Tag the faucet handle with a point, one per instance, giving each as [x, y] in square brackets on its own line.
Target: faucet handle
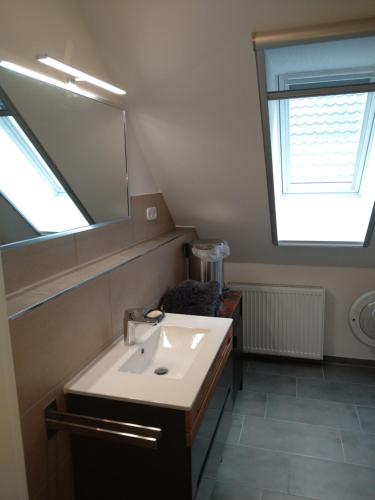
[135, 314]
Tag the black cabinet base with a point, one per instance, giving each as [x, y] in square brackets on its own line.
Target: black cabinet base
[109, 470]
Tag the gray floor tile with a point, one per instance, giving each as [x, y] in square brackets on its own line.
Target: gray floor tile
[273, 495]
[359, 448]
[235, 429]
[349, 373]
[337, 391]
[251, 403]
[268, 382]
[206, 488]
[284, 367]
[258, 469]
[367, 418]
[233, 490]
[292, 437]
[246, 363]
[302, 427]
[327, 480]
[313, 411]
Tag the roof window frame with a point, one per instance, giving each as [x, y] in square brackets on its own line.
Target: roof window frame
[306, 35]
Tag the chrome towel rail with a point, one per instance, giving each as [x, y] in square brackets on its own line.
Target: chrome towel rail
[124, 432]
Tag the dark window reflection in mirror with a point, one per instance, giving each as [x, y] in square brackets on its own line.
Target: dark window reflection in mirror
[63, 160]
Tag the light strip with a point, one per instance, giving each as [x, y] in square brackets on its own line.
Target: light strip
[76, 73]
[44, 78]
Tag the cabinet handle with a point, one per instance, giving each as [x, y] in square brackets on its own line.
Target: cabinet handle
[125, 432]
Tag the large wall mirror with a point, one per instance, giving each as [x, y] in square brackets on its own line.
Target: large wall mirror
[62, 160]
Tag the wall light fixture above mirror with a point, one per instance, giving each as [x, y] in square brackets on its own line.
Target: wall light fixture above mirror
[45, 78]
[80, 75]
[64, 164]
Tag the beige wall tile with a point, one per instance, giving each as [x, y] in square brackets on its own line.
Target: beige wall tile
[93, 244]
[136, 284]
[125, 293]
[40, 453]
[172, 257]
[32, 263]
[39, 261]
[54, 340]
[142, 282]
[144, 229]
[19, 302]
[48, 460]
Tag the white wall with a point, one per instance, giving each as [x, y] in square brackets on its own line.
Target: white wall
[189, 67]
[29, 28]
[343, 285]
[34, 27]
[193, 103]
[12, 467]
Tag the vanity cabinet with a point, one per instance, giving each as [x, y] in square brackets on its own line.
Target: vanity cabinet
[232, 308]
[190, 442]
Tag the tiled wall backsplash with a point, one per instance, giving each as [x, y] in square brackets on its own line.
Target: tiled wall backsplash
[55, 340]
[27, 265]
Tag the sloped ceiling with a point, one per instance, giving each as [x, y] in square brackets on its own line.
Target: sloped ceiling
[193, 109]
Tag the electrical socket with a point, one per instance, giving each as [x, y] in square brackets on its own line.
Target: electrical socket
[151, 213]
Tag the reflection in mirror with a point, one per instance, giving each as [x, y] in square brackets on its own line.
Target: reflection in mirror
[63, 160]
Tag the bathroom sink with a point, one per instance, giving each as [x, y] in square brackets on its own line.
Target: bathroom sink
[169, 352]
[181, 348]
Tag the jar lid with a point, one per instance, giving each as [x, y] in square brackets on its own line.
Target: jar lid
[208, 244]
[210, 250]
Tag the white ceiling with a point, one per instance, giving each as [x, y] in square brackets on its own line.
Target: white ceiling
[193, 110]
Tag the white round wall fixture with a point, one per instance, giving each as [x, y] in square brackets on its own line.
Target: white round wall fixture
[362, 318]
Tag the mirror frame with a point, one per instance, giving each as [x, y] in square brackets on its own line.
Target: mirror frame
[39, 239]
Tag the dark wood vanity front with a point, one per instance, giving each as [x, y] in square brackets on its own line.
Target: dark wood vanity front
[232, 308]
[190, 443]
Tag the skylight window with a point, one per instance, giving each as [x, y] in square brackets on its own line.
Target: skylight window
[30, 185]
[325, 138]
[318, 111]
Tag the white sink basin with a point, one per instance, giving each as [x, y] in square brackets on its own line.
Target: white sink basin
[185, 345]
[169, 350]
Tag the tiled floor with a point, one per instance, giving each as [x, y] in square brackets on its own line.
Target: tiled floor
[301, 431]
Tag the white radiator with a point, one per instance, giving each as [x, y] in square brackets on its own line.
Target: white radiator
[283, 320]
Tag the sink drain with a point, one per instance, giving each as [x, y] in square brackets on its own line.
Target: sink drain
[161, 371]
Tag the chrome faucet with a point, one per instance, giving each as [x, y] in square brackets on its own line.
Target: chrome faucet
[133, 317]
